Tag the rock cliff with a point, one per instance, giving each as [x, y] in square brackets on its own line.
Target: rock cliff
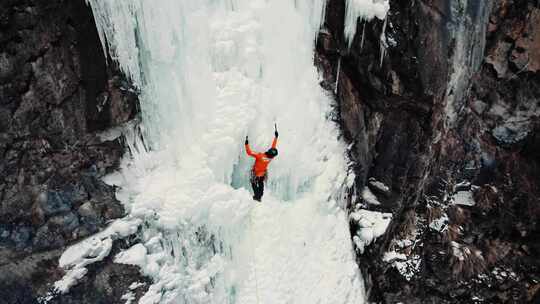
[56, 95]
[440, 103]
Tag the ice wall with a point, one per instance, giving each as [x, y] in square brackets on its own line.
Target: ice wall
[211, 72]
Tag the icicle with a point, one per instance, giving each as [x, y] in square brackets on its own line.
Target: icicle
[337, 75]
[382, 42]
[363, 35]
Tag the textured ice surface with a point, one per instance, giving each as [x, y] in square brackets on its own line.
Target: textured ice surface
[372, 225]
[210, 73]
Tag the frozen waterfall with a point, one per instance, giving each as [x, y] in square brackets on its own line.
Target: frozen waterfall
[211, 72]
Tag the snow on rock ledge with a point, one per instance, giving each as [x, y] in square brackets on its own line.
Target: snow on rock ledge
[440, 224]
[369, 197]
[94, 249]
[378, 186]
[136, 255]
[464, 198]
[371, 224]
[406, 266]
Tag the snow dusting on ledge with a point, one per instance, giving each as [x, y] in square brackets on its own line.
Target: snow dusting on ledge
[464, 198]
[406, 266]
[93, 249]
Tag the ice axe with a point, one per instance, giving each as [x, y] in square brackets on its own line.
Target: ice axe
[275, 129]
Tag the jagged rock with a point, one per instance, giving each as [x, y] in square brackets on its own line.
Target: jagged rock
[7, 67]
[53, 75]
[54, 202]
[66, 222]
[48, 237]
[87, 210]
[526, 53]
[498, 57]
[21, 236]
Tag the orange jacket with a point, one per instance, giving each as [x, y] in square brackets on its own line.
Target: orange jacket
[261, 160]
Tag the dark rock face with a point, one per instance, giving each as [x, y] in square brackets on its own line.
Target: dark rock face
[449, 122]
[56, 94]
[377, 102]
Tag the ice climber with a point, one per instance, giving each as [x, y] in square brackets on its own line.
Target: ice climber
[258, 173]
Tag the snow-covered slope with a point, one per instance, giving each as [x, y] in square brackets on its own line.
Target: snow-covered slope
[210, 73]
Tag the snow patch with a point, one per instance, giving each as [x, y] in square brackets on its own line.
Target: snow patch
[136, 255]
[371, 224]
[93, 249]
[391, 256]
[136, 285]
[440, 224]
[369, 197]
[409, 267]
[406, 266]
[129, 297]
[404, 243]
[464, 198]
[464, 185]
[380, 186]
[457, 251]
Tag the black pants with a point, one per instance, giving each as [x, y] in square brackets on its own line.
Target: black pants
[257, 183]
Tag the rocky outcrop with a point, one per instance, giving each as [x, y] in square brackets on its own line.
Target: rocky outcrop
[377, 100]
[447, 121]
[56, 95]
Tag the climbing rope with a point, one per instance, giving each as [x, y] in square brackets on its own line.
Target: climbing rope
[254, 258]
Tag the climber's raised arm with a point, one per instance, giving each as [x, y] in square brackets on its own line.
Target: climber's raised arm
[248, 149]
[274, 142]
